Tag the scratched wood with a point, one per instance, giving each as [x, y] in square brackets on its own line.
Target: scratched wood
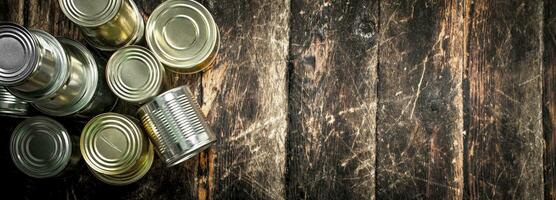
[504, 133]
[420, 113]
[549, 99]
[331, 151]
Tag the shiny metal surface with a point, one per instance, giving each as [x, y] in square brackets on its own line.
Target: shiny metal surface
[11, 105]
[183, 35]
[176, 125]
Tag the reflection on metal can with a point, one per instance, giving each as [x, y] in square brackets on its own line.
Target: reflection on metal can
[176, 125]
[11, 105]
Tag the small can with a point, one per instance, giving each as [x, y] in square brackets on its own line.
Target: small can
[11, 105]
[115, 149]
[183, 35]
[42, 148]
[32, 62]
[176, 126]
[106, 24]
[84, 92]
[134, 74]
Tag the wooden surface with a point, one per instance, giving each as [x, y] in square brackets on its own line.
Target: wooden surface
[354, 99]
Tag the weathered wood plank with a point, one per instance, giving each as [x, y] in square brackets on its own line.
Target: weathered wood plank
[12, 11]
[504, 133]
[420, 113]
[245, 96]
[332, 100]
[549, 99]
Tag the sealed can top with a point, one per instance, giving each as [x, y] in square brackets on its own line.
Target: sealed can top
[131, 176]
[90, 13]
[40, 147]
[18, 54]
[182, 34]
[134, 74]
[112, 143]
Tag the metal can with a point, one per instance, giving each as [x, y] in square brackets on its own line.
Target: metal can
[115, 149]
[176, 126]
[84, 92]
[11, 105]
[42, 148]
[106, 24]
[134, 74]
[183, 36]
[32, 62]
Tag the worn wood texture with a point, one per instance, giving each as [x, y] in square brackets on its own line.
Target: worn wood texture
[549, 99]
[332, 103]
[504, 133]
[420, 113]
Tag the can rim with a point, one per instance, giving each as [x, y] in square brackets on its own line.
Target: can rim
[153, 84]
[81, 18]
[22, 35]
[30, 165]
[11, 105]
[144, 165]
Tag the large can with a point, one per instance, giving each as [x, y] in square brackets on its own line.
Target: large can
[176, 125]
[106, 24]
[135, 75]
[183, 36]
[84, 92]
[115, 149]
[42, 148]
[11, 105]
[32, 62]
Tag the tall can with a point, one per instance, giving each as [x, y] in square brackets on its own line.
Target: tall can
[32, 62]
[183, 36]
[41, 147]
[106, 24]
[11, 105]
[84, 92]
[176, 125]
[135, 75]
[115, 149]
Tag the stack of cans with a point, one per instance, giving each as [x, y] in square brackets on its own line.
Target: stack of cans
[60, 77]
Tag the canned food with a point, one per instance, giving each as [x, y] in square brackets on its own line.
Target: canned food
[32, 62]
[134, 74]
[106, 24]
[176, 125]
[83, 88]
[115, 149]
[183, 35]
[11, 105]
[42, 148]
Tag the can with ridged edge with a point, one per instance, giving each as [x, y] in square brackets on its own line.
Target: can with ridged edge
[11, 105]
[183, 36]
[42, 148]
[106, 24]
[115, 149]
[176, 125]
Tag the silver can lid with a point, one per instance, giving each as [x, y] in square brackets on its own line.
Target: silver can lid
[18, 54]
[40, 147]
[90, 13]
[134, 74]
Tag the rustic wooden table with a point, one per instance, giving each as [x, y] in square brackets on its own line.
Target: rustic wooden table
[353, 99]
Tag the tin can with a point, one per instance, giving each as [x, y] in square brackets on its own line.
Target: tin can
[176, 126]
[183, 36]
[11, 105]
[32, 62]
[106, 24]
[42, 148]
[115, 149]
[84, 92]
[134, 74]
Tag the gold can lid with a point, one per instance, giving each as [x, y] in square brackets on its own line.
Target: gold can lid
[134, 74]
[90, 13]
[132, 176]
[183, 35]
[112, 144]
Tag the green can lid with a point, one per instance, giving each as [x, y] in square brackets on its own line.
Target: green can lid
[40, 147]
[134, 74]
[90, 13]
[183, 35]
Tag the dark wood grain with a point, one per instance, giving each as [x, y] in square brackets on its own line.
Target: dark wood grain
[420, 113]
[504, 133]
[549, 99]
[332, 100]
